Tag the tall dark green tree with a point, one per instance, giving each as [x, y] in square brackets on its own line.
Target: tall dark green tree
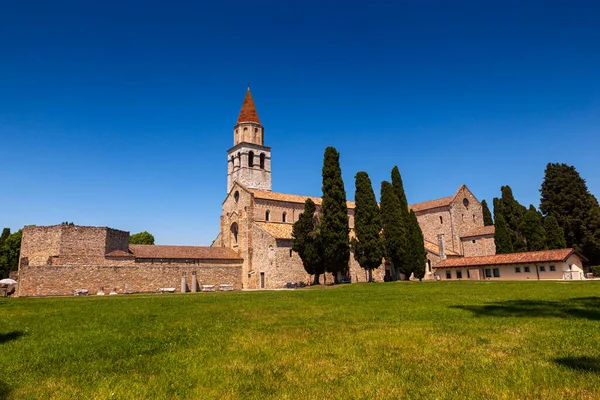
[334, 221]
[407, 268]
[513, 212]
[417, 254]
[487, 215]
[393, 230]
[502, 236]
[4, 236]
[555, 236]
[141, 238]
[533, 230]
[368, 249]
[565, 196]
[307, 241]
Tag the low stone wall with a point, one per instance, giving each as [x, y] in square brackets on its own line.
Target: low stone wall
[58, 280]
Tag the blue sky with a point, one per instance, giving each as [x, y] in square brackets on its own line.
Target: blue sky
[120, 113]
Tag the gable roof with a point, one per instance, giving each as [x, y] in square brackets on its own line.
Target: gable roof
[480, 231]
[282, 230]
[290, 198]
[513, 258]
[248, 112]
[183, 252]
[443, 202]
[434, 248]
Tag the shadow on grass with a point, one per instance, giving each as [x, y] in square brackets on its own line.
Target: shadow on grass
[7, 337]
[583, 307]
[4, 391]
[590, 364]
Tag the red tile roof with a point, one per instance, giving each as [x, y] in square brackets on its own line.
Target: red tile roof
[434, 248]
[120, 253]
[183, 252]
[248, 112]
[427, 205]
[291, 198]
[481, 231]
[514, 258]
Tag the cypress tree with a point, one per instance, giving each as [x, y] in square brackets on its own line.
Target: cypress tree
[565, 196]
[4, 236]
[417, 247]
[307, 241]
[367, 246]
[487, 215]
[406, 268]
[334, 222]
[393, 232]
[513, 212]
[533, 230]
[502, 236]
[555, 236]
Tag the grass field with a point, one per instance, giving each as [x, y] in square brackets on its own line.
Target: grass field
[439, 340]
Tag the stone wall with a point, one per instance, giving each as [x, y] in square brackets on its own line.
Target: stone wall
[479, 246]
[63, 280]
[432, 226]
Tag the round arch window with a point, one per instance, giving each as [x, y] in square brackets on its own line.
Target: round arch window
[466, 202]
[236, 196]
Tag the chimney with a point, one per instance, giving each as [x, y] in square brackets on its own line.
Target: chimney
[441, 246]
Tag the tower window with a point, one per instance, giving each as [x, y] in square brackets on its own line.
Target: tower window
[262, 160]
[441, 220]
[267, 213]
[245, 129]
[251, 159]
[283, 217]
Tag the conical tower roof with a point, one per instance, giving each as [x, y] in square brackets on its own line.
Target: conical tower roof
[248, 112]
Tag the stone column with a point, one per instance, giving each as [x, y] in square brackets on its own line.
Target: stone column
[183, 284]
[194, 283]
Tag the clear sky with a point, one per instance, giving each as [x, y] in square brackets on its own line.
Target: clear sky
[119, 113]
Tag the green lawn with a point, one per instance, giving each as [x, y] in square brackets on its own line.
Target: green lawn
[435, 340]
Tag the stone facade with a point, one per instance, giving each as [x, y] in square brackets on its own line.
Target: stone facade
[57, 260]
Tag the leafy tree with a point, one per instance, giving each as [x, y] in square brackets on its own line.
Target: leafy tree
[9, 253]
[334, 221]
[393, 229]
[555, 236]
[487, 215]
[513, 212]
[307, 241]
[502, 236]
[565, 196]
[533, 230]
[367, 246]
[141, 238]
[4, 236]
[417, 254]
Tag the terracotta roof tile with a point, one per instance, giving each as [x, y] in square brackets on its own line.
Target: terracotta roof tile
[183, 252]
[248, 112]
[481, 231]
[291, 198]
[119, 253]
[427, 205]
[434, 248]
[281, 230]
[514, 258]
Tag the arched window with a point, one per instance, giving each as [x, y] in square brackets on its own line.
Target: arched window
[466, 202]
[236, 196]
[234, 232]
[262, 160]
[290, 252]
[251, 159]
[283, 216]
[267, 213]
[441, 220]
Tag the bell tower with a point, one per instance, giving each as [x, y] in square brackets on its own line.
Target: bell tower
[249, 160]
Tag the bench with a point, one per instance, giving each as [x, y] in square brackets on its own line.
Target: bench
[167, 289]
[81, 292]
[225, 287]
[208, 288]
